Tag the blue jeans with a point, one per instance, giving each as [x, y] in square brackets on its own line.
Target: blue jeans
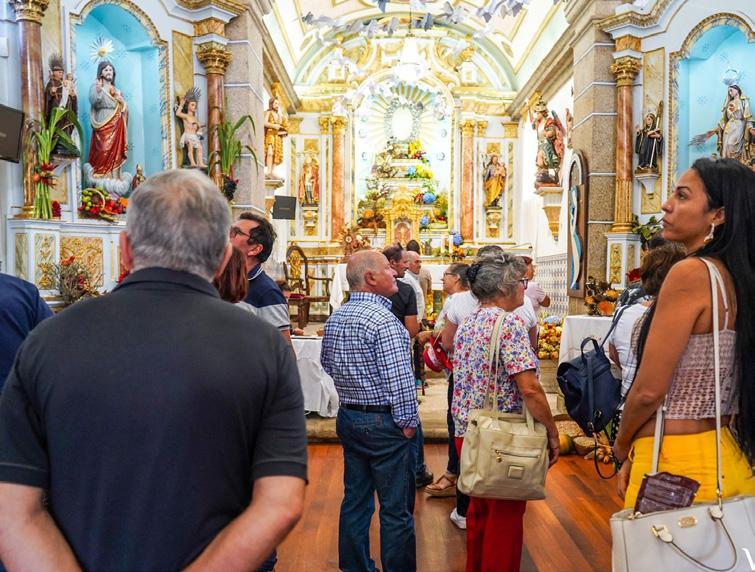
[376, 457]
[418, 452]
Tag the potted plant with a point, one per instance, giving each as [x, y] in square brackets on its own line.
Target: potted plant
[229, 152]
[47, 136]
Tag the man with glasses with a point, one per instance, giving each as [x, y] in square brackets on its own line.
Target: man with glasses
[254, 236]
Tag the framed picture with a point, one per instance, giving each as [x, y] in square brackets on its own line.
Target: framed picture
[576, 263]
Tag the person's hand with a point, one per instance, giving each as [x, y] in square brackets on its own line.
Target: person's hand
[409, 432]
[620, 451]
[98, 83]
[553, 449]
[424, 337]
[623, 478]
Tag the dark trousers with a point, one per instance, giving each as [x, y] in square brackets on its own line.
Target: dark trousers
[377, 457]
[418, 452]
[269, 564]
[453, 467]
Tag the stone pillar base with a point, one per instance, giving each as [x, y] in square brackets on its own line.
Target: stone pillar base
[647, 180]
[493, 219]
[309, 214]
[623, 255]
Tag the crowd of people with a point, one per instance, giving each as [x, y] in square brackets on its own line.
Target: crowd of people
[183, 446]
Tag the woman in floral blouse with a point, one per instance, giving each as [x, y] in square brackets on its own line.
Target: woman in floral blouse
[494, 527]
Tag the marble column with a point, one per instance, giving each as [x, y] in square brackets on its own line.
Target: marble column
[467, 179]
[215, 58]
[339, 174]
[625, 69]
[29, 15]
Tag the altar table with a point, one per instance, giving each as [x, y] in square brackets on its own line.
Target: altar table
[577, 328]
[340, 285]
[317, 386]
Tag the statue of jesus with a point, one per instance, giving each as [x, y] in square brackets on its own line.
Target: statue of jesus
[109, 115]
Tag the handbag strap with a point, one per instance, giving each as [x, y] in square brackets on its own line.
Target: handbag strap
[494, 358]
[716, 282]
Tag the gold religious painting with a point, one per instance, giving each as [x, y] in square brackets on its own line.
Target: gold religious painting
[312, 146]
[493, 148]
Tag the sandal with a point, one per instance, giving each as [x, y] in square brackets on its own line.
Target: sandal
[445, 486]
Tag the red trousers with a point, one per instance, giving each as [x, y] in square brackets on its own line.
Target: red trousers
[494, 532]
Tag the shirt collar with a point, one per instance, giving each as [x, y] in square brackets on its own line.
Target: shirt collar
[166, 275]
[370, 297]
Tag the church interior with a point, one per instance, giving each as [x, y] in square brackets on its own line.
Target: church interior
[555, 129]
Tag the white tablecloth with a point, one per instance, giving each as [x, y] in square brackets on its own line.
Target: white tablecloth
[576, 329]
[340, 285]
[317, 386]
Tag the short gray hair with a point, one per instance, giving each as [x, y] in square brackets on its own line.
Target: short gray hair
[360, 263]
[179, 220]
[491, 277]
[489, 251]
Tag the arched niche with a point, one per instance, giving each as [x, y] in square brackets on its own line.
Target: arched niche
[140, 58]
[719, 49]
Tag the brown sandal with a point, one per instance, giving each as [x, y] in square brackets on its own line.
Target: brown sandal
[445, 486]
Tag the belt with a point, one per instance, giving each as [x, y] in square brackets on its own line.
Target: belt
[367, 408]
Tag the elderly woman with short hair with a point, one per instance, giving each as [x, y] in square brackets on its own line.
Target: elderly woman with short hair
[494, 527]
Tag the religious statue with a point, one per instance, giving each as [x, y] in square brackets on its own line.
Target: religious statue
[60, 92]
[309, 182]
[550, 142]
[108, 148]
[276, 126]
[494, 181]
[191, 136]
[733, 129]
[139, 177]
[649, 143]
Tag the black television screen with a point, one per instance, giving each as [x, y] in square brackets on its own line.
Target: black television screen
[284, 208]
[11, 127]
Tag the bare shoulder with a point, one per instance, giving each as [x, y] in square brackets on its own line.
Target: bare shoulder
[688, 275]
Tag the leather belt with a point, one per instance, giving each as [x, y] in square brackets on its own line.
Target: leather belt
[367, 408]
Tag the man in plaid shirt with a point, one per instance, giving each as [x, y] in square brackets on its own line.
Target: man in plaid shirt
[365, 351]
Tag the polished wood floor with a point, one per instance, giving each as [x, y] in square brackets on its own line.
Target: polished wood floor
[567, 532]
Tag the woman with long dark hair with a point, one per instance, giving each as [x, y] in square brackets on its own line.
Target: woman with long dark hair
[712, 213]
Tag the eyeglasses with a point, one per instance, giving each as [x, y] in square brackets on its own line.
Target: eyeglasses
[524, 282]
[236, 231]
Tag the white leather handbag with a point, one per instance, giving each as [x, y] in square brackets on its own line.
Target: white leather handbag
[712, 537]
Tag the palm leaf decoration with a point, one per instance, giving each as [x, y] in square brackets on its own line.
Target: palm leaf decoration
[231, 147]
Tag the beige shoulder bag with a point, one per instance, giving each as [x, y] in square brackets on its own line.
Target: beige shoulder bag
[504, 455]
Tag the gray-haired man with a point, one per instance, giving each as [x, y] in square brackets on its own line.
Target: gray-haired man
[153, 447]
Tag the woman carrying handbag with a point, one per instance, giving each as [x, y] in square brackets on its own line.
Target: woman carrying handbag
[492, 356]
[701, 369]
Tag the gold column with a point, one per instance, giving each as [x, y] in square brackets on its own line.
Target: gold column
[29, 15]
[339, 173]
[625, 69]
[215, 58]
[467, 178]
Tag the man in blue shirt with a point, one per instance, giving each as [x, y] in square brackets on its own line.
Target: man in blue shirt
[365, 350]
[21, 308]
[254, 236]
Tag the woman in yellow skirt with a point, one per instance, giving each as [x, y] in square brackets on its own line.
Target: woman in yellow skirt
[711, 212]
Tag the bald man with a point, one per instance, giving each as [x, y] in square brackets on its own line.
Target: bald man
[365, 351]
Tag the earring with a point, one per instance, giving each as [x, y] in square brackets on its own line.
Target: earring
[710, 235]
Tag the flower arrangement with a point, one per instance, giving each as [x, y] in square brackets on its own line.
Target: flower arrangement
[416, 151]
[634, 276]
[73, 280]
[419, 172]
[231, 148]
[56, 210]
[96, 203]
[549, 339]
[601, 297]
[647, 230]
[458, 253]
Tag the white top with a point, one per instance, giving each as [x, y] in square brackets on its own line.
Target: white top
[527, 313]
[535, 294]
[461, 305]
[621, 338]
[413, 281]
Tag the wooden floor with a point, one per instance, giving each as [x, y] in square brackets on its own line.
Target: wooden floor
[566, 532]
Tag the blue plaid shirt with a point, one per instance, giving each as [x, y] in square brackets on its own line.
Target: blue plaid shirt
[366, 351]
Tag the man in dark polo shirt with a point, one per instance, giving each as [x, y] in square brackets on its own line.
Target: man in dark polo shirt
[404, 307]
[254, 236]
[21, 309]
[166, 435]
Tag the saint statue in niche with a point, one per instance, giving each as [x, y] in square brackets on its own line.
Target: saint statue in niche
[276, 126]
[494, 181]
[733, 129]
[191, 138]
[109, 115]
[309, 181]
[403, 233]
[649, 142]
[550, 143]
[60, 91]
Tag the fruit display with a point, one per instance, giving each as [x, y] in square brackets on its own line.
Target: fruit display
[96, 203]
[549, 339]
